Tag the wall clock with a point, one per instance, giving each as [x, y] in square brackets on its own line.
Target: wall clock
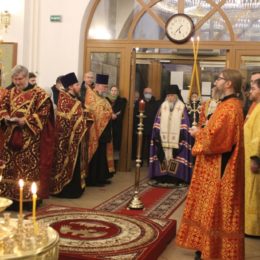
[179, 28]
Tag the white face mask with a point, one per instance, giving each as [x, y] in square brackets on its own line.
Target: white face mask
[147, 96]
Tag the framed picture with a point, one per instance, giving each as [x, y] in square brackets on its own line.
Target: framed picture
[8, 59]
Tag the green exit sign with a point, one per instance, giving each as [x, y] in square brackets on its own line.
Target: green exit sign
[56, 18]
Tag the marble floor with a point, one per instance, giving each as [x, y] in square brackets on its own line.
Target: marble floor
[93, 196]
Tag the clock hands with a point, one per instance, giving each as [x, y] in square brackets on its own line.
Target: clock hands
[179, 29]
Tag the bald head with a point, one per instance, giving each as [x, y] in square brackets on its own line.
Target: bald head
[148, 90]
[89, 78]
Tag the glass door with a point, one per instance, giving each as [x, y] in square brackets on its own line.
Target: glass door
[248, 62]
[158, 68]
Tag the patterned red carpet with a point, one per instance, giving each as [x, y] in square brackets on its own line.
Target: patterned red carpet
[89, 234]
[158, 202]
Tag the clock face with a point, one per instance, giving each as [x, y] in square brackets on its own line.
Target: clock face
[179, 28]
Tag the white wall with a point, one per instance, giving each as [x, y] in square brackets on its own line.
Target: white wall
[47, 48]
[60, 44]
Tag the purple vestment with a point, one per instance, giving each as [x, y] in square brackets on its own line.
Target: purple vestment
[182, 155]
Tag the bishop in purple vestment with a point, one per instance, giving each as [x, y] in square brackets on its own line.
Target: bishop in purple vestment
[170, 150]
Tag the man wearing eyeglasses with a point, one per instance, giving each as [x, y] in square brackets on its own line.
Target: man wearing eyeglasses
[213, 220]
[27, 123]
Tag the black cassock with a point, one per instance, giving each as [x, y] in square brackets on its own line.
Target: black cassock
[118, 107]
[98, 172]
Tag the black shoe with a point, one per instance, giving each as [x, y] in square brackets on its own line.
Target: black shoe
[252, 236]
[105, 182]
[96, 184]
[197, 255]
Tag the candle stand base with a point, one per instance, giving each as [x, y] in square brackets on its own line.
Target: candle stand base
[135, 203]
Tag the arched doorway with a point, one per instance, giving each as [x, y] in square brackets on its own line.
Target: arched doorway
[115, 28]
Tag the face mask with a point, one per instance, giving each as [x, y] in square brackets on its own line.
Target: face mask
[147, 96]
[113, 98]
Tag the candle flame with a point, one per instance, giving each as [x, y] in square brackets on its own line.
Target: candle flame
[1, 177]
[21, 183]
[192, 39]
[198, 38]
[34, 188]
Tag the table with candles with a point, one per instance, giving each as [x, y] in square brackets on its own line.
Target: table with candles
[26, 238]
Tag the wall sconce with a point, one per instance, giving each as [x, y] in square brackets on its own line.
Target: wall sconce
[5, 19]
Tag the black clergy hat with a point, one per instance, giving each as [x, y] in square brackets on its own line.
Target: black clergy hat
[102, 79]
[69, 79]
[173, 89]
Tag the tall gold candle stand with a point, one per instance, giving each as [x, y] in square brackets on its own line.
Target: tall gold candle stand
[135, 202]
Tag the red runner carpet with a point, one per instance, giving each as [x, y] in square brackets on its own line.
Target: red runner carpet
[158, 202]
[90, 234]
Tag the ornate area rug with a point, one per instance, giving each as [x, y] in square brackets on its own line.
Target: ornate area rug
[89, 234]
[158, 202]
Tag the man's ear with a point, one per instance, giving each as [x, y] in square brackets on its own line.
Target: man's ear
[229, 83]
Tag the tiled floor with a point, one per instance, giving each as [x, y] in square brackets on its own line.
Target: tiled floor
[93, 196]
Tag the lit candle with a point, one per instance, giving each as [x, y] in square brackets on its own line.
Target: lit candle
[141, 105]
[34, 199]
[21, 184]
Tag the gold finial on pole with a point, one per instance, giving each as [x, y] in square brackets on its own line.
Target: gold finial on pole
[135, 202]
[195, 73]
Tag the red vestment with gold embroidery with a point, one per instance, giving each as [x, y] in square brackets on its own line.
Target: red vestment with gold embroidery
[70, 142]
[213, 220]
[27, 150]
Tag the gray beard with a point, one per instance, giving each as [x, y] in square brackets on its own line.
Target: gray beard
[171, 105]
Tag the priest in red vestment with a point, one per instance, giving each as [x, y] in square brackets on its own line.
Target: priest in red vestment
[213, 219]
[2, 94]
[100, 149]
[70, 162]
[26, 117]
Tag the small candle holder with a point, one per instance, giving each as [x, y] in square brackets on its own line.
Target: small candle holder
[8, 246]
[27, 243]
[7, 216]
[43, 227]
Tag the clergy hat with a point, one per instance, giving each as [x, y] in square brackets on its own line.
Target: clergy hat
[173, 89]
[102, 79]
[69, 79]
